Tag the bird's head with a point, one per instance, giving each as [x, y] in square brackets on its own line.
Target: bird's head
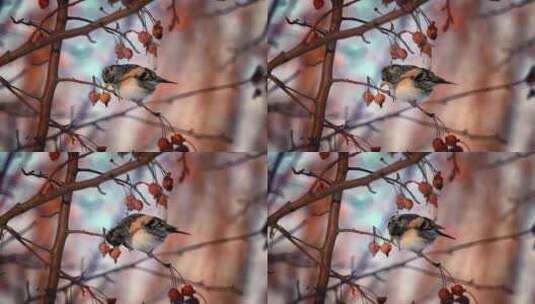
[110, 74]
[116, 236]
[395, 226]
[392, 73]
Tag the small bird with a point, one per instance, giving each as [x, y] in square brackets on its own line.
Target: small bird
[132, 81]
[414, 232]
[141, 232]
[410, 83]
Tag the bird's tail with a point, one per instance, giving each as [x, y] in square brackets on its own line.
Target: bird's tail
[445, 235]
[163, 80]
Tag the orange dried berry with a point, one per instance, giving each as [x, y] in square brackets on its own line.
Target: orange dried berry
[438, 181]
[439, 145]
[397, 52]
[324, 155]
[373, 248]
[119, 50]
[157, 30]
[379, 99]
[386, 247]
[168, 182]
[38, 36]
[187, 290]
[368, 97]
[152, 49]
[432, 31]
[318, 4]
[105, 98]
[43, 3]
[54, 155]
[400, 202]
[127, 53]
[451, 140]
[174, 294]
[154, 189]
[162, 200]
[408, 204]
[444, 294]
[458, 289]
[93, 96]
[115, 253]
[164, 144]
[427, 49]
[144, 37]
[433, 200]
[104, 248]
[425, 188]
[177, 139]
[419, 38]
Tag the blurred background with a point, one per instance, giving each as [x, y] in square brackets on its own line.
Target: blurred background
[492, 195]
[489, 43]
[221, 203]
[212, 53]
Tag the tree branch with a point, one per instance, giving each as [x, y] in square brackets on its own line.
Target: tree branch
[41, 198]
[327, 249]
[61, 232]
[318, 118]
[30, 46]
[45, 107]
[311, 197]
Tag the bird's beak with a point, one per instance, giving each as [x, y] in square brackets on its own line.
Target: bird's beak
[163, 80]
[443, 81]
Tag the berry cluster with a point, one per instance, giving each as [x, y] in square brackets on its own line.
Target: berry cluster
[450, 143]
[368, 97]
[184, 295]
[105, 249]
[385, 248]
[177, 142]
[455, 295]
[103, 97]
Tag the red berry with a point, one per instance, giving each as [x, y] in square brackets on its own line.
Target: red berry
[433, 200]
[426, 49]
[53, 155]
[154, 189]
[152, 49]
[398, 52]
[174, 294]
[115, 253]
[93, 96]
[318, 4]
[162, 200]
[425, 188]
[457, 289]
[379, 99]
[444, 294]
[164, 144]
[432, 31]
[439, 145]
[385, 248]
[368, 97]
[104, 248]
[373, 247]
[144, 37]
[105, 98]
[43, 4]
[451, 140]
[408, 204]
[324, 155]
[177, 139]
[419, 38]
[168, 182]
[127, 53]
[438, 181]
[119, 50]
[188, 290]
[157, 30]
